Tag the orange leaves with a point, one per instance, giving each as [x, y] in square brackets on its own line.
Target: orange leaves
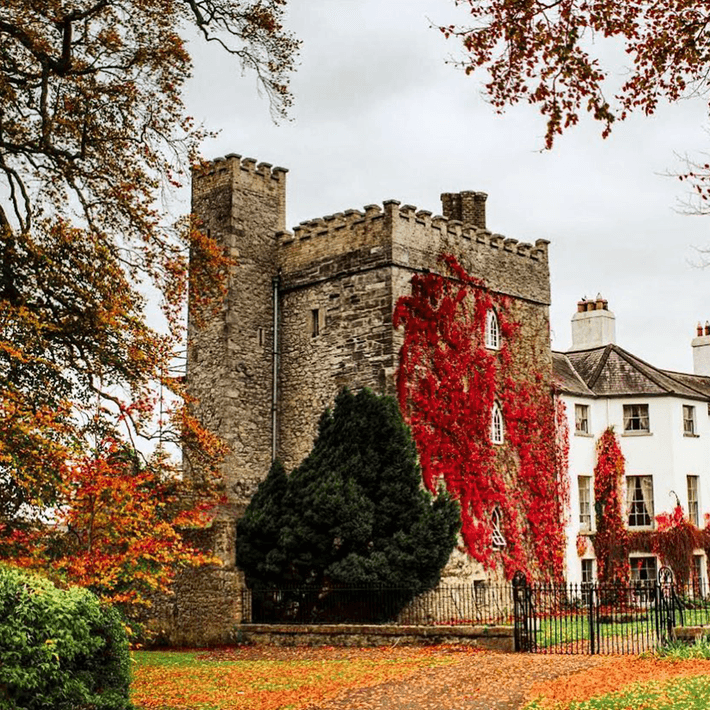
[270, 678]
[114, 528]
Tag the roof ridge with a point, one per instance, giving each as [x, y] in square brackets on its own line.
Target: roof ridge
[600, 366]
[630, 358]
[576, 374]
[671, 374]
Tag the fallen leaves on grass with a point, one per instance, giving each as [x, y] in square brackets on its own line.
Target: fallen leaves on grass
[619, 673]
[270, 678]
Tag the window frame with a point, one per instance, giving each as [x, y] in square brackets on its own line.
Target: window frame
[497, 538]
[578, 430]
[689, 428]
[697, 576]
[493, 334]
[635, 569]
[587, 569]
[693, 500]
[589, 503]
[638, 499]
[629, 415]
[497, 425]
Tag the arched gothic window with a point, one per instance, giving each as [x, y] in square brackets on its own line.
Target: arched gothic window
[497, 430]
[492, 330]
[497, 528]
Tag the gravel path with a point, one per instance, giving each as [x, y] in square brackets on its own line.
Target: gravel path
[485, 681]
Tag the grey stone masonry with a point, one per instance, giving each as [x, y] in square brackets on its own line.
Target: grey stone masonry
[336, 280]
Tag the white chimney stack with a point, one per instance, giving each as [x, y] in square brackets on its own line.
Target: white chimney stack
[593, 325]
[701, 350]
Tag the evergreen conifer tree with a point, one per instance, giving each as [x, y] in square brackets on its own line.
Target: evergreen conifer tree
[354, 513]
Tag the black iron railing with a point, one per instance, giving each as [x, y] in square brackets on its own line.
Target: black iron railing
[445, 605]
[568, 618]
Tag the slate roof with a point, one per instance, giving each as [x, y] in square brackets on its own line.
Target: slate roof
[611, 371]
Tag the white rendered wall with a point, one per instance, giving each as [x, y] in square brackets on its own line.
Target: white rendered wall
[664, 453]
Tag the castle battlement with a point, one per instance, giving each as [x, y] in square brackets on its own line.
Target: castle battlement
[233, 162]
[404, 227]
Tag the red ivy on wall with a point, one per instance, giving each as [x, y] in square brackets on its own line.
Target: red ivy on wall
[611, 541]
[447, 383]
[674, 541]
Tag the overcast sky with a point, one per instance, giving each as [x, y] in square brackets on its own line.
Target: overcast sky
[379, 114]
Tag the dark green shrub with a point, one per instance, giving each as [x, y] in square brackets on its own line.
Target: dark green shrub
[59, 649]
[353, 515]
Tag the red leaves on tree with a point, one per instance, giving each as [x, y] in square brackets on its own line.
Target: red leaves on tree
[115, 528]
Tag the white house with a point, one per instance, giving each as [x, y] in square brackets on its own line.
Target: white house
[662, 421]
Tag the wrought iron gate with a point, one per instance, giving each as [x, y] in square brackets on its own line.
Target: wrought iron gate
[595, 618]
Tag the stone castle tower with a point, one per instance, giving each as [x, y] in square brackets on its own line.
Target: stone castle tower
[310, 311]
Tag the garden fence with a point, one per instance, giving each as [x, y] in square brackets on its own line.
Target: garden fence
[567, 618]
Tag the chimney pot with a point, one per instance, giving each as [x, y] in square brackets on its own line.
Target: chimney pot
[581, 305]
[699, 329]
[707, 328]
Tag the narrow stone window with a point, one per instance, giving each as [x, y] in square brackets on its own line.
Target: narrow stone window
[497, 528]
[315, 322]
[260, 337]
[497, 430]
[492, 331]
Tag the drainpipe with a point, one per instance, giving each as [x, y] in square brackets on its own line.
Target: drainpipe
[275, 284]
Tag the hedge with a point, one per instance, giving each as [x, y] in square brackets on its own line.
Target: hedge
[59, 648]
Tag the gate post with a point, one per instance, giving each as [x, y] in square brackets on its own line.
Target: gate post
[592, 622]
[665, 605]
[522, 612]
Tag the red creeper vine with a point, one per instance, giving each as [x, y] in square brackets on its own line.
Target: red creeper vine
[447, 384]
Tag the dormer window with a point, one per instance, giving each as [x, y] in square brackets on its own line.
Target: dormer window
[497, 528]
[492, 331]
[497, 430]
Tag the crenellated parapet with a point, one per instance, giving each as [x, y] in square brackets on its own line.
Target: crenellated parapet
[415, 238]
[236, 164]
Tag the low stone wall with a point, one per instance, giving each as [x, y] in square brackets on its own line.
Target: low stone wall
[495, 638]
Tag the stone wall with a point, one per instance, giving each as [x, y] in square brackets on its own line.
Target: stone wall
[493, 638]
[229, 365]
[339, 278]
[353, 347]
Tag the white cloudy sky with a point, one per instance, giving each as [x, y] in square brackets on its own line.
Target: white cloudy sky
[379, 114]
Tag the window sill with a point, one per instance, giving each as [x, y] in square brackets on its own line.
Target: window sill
[584, 433]
[640, 528]
[588, 532]
[637, 433]
[691, 436]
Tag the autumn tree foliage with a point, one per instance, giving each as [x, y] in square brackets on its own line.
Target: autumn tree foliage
[93, 134]
[552, 55]
[353, 513]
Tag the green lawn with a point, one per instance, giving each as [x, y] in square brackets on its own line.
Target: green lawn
[685, 693]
